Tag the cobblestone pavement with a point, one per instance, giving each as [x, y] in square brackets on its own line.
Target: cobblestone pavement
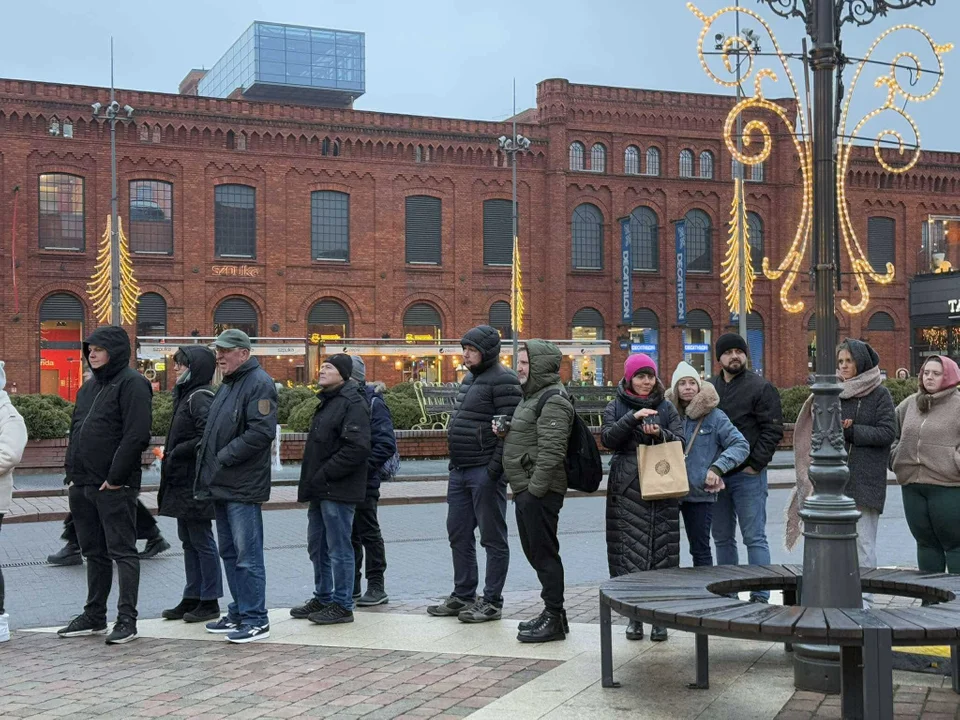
[909, 701]
[45, 677]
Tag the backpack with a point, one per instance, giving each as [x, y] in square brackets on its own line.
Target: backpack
[392, 466]
[583, 465]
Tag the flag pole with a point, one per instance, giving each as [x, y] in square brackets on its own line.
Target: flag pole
[515, 289]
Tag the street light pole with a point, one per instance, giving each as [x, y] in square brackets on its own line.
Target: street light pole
[742, 309]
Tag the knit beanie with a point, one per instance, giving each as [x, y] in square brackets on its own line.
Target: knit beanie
[359, 369]
[637, 363]
[731, 341]
[343, 364]
[685, 370]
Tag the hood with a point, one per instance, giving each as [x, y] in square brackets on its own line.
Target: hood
[545, 360]
[951, 372]
[701, 405]
[114, 340]
[202, 363]
[487, 340]
[864, 356]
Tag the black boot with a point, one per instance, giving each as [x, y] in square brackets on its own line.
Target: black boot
[375, 595]
[635, 630]
[548, 628]
[185, 606]
[527, 624]
[205, 610]
[69, 554]
[155, 546]
[657, 633]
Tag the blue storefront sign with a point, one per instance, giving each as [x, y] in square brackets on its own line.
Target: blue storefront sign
[626, 272]
[643, 348]
[681, 238]
[696, 348]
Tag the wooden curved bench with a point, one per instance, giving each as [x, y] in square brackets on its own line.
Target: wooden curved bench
[694, 600]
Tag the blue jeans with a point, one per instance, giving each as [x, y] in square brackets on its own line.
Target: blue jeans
[240, 535]
[201, 563]
[475, 501]
[745, 500]
[697, 517]
[329, 531]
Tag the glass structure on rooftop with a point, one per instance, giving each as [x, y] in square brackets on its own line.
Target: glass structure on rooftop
[290, 63]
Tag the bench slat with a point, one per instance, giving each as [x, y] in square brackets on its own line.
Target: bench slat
[812, 625]
[749, 614]
[839, 626]
[782, 622]
[687, 613]
[902, 627]
[939, 625]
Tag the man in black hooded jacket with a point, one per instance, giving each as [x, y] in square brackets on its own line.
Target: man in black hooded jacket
[109, 432]
[477, 491]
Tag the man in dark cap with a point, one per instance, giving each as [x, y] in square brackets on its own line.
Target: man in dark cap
[233, 470]
[753, 406]
[333, 479]
[477, 490]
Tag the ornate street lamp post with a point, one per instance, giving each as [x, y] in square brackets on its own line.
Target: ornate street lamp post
[511, 146]
[831, 575]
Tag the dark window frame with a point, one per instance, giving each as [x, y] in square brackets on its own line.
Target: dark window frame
[886, 245]
[158, 238]
[56, 240]
[699, 236]
[496, 224]
[330, 226]
[754, 223]
[645, 239]
[577, 156]
[586, 235]
[631, 160]
[685, 163]
[417, 250]
[226, 245]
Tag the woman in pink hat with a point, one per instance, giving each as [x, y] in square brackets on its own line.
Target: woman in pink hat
[641, 535]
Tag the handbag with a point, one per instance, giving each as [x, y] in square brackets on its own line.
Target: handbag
[663, 469]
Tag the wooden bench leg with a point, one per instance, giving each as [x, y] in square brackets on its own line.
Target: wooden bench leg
[606, 647]
[878, 674]
[703, 663]
[955, 668]
[851, 682]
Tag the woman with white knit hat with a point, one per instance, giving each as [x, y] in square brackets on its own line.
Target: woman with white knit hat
[714, 447]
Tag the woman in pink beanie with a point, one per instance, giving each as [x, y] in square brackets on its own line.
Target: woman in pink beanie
[641, 535]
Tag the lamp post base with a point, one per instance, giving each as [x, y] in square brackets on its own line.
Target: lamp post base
[816, 668]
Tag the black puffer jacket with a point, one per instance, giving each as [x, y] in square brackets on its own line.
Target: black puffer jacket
[488, 389]
[111, 421]
[641, 535]
[191, 404]
[338, 447]
[233, 458]
[753, 406]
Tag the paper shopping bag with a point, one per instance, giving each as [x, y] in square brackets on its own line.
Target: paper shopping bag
[663, 472]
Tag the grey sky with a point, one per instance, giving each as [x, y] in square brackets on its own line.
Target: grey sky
[439, 57]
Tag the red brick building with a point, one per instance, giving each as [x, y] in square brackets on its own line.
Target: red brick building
[308, 225]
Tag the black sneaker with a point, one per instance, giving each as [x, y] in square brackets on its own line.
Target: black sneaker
[205, 610]
[124, 631]
[449, 607]
[527, 624]
[69, 554]
[375, 595]
[185, 606]
[480, 611]
[302, 612]
[249, 633]
[549, 627]
[222, 626]
[81, 625]
[332, 614]
[657, 633]
[634, 630]
[155, 547]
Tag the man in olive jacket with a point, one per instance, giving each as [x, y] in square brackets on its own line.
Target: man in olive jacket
[534, 451]
[233, 470]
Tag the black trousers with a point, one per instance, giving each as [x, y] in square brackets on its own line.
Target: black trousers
[366, 536]
[146, 525]
[105, 521]
[537, 520]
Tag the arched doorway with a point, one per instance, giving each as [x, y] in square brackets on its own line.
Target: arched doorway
[61, 345]
[587, 325]
[327, 321]
[422, 323]
[500, 317]
[235, 313]
[152, 322]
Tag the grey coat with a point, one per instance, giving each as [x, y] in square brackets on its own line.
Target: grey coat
[868, 446]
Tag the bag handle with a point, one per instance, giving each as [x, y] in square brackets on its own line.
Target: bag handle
[696, 431]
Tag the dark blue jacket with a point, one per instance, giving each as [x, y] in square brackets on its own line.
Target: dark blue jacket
[383, 440]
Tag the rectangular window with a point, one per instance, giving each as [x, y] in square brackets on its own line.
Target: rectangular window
[423, 230]
[235, 221]
[61, 218]
[881, 238]
[151, 217]
[498, 232]
[330, 225]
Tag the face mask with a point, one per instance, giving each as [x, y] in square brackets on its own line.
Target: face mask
[183, 378]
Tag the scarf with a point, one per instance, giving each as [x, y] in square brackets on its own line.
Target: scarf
[926, 400]
[856, 387]
[650, 402]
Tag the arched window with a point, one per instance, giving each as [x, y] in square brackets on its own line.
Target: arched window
[645, 333]
[151, 315]
[881, 240]
[329, 320]
[498, 232]
[61, 221]
[755, 228]
[235, 221]
[699, 242]
[686, 164]
[587, 233]
[598, 158]
[235, 313]
[631, 161]
[330, 225]
[645, 239]
[500, 317]
[576, 155]
[706, 164]
[756, 173]
[61, 334]
[697, 342]
[421, 316]
[881, 322]
[151, 217]
[653, 162]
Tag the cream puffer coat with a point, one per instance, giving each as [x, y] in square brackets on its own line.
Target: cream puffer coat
[13, 438]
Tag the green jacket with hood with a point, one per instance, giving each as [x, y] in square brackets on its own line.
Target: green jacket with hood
[535, 447]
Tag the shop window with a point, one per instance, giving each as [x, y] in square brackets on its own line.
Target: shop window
[327, 322]
[645, 333]
[698, 342]
[61, 352]
[422, 325]
[755, 341]
[500, 317]
[235, 313]
[587, 325]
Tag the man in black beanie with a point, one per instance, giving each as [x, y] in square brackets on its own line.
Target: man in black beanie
[333, 479]
[753, 406]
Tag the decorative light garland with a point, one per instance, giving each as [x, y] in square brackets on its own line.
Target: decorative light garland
[731, 267]
[99, 288]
